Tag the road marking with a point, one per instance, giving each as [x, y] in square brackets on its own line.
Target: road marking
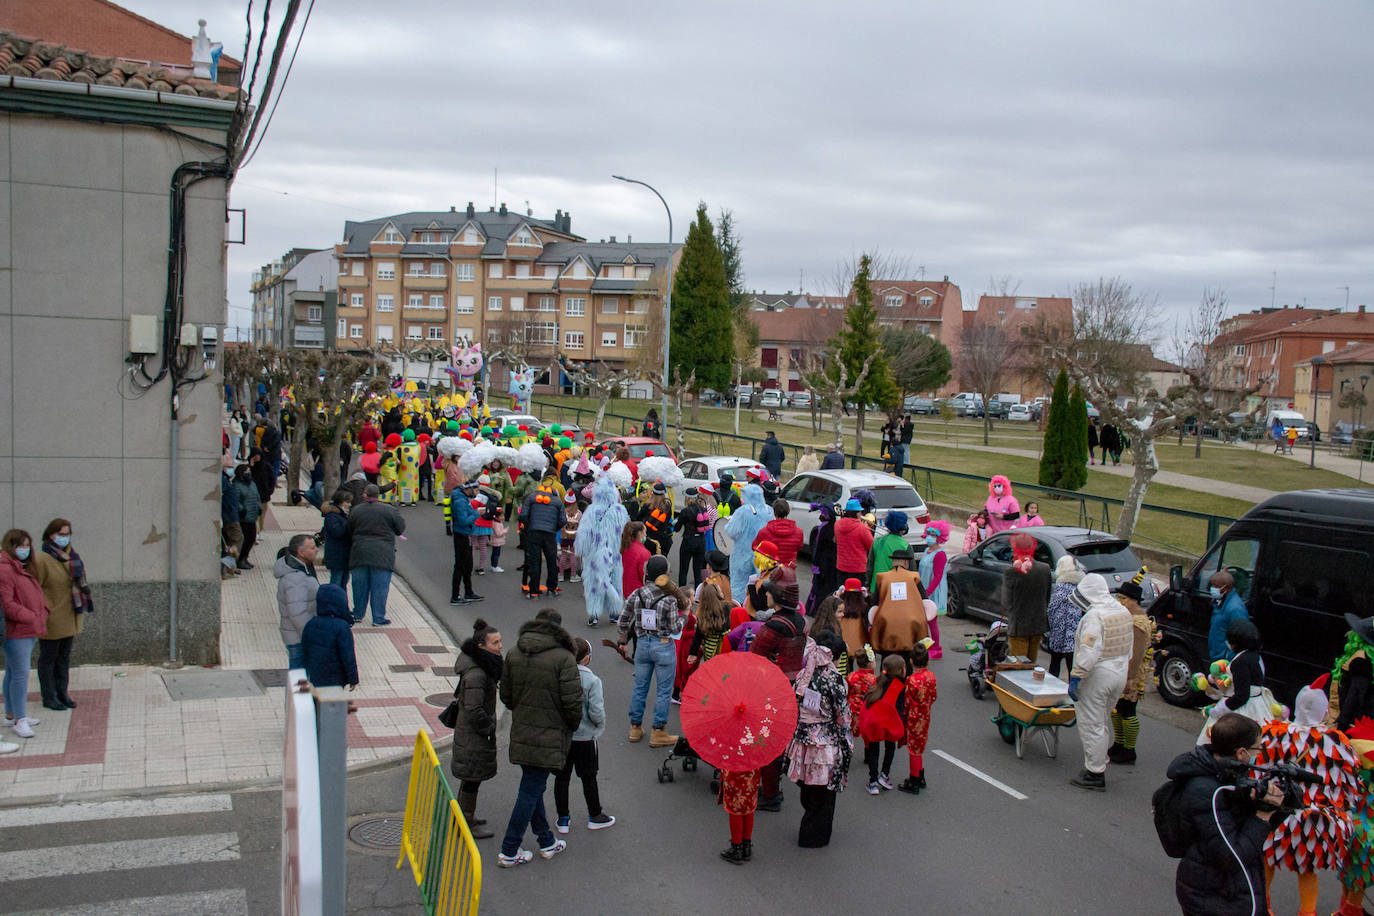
[228, 902]
[94, 858]
[996, 784]
[112, 810]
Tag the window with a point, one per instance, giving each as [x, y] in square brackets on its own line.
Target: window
[426, 238]
[610, 305]
[314, 313]
[523, 237]
[494, 335]
[358, 268]
[386, 270]
[930, 300]
[574, 307]
[493, 303]
[892, 302]
[465, 305]
[1310, 580]
[436, 268]
[639, 306]
[550, 272]
[464, 272]
[579, 270]
[356, 300]
[415, 301]
[495, 270]
[384, 333]
[391, 235]
[768, 357]
[436, 302]
[472, 237]
[542, 332]
[445, 238]
[436, 332]
[609, 339]
[574, 340]
[413, 332]
[1238, 556]
[355, 331]
[634, 335]
[463, 334]
[517, 303]
[1327, 346]
[342, 331]
[615, 273]
[386, 303]
[643, 273]
[522, 271]
[415, 269]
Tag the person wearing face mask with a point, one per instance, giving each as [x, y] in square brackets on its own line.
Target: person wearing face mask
[977, 530]
[26, 619]
[932, 572]
[62, 575]
[1101, 654]
[1002, 508]
[1227, 606]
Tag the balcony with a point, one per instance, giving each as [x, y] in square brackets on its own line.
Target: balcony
[309, 337]
[348, 281]
[425, 281]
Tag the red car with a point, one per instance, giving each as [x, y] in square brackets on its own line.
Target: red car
[640, 446]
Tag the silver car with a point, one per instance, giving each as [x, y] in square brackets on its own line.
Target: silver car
[707, 469]
[835, 487]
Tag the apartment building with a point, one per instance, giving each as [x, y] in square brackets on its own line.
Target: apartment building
[1022, 318]
[1274, 346]
[503, 279]
[291, 297]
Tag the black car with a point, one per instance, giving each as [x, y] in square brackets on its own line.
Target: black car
[975, 578]
[1300, 561]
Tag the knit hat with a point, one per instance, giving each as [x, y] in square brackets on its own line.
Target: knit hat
[481, 499]
[570, 497]
[484, 479]
[659, 488]
[754, 473]
[896, 522]
[786, 579]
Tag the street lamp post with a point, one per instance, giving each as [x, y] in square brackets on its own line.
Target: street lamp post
[667, 296]
[1317, 363]
[1360, 454]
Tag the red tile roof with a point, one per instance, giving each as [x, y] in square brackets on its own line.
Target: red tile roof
[1272, 324]
[41, 59]
[801, 326]
[1355, 353]
[911, 292]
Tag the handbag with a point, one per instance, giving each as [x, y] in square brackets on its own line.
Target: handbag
[449, 717]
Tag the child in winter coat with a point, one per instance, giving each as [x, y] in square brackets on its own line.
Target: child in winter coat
[582, 753]
[861, 681]
[920, 696]
[481, 541]
[881, 722]
[567, 558]
[498, 536]
[977, 530]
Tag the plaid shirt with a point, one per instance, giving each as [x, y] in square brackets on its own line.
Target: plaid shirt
[671, 616]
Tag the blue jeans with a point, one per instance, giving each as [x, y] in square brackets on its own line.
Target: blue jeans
[370, 582]
[529, 811]
[295, 656]
[18, 655]
[314, 495]
[657, 658]
[339, 577]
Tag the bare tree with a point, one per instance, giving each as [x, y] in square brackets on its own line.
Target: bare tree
[1201, 363]
[409, 351]
[985, 353]
[1004, 285]
[332, 391]
[519, 347]
[836, 390]
[603, 382]
[676, 391]
[884, 266]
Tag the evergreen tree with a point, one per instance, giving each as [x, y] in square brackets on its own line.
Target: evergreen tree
[701, 323]
[1054, 456]
[859, 339]
[1076, 468]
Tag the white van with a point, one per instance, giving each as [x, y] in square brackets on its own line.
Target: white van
[1288, 418]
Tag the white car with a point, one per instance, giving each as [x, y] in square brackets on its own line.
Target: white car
[798, 399]
[707, 469]
[1019, 412]
[835, 487]
[522, 419]
[771, 398]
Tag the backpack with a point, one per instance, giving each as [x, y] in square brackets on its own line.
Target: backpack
[1173, 831]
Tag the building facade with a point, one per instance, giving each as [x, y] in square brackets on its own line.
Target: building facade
[272, 287]
[1026, 321]
[500, 279]
[1274, 346]
[91, 146]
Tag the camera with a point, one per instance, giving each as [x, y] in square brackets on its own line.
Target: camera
[1259, 777]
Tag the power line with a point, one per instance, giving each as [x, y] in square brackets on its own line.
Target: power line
[246, 97]
[285, 77]
[292, 7]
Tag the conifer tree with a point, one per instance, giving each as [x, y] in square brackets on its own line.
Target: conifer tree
[1076, 474]
[859, 340]
[1058, 438]
[702, 322]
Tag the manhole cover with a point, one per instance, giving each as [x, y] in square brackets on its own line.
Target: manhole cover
[440, 700]
[377, 833]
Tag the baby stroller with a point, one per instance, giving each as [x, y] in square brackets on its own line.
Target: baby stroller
[681, 751]
[990, 652]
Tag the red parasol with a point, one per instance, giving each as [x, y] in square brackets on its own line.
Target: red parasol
[738, 711]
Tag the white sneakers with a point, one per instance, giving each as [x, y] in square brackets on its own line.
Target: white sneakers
[23, 727]
[497, 569]
[548, 852]
[520, 858]
[8, 747]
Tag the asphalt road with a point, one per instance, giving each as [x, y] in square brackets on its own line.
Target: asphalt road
[1006, 834]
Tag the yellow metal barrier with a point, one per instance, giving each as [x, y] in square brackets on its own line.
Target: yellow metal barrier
[436, 841]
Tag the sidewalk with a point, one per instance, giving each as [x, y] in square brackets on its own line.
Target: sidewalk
[148, 728]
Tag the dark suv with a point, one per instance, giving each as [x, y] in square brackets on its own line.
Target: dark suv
[1301, 561]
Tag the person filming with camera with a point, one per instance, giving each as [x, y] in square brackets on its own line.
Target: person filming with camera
[1226, 816]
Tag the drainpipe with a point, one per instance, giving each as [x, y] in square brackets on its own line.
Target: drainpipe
[172, 529]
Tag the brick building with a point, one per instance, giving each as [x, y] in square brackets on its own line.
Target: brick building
[1274, 346]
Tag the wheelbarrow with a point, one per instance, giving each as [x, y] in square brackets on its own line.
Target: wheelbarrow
[1017, 721]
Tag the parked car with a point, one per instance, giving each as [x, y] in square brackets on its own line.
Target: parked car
[922, 406]
[1019, 413]
[771, 398]
[799, 399]
[998, 408]
[640, 446]
[975, 578]
[967, 405]
[510, 418]
[708, 468]
[1301, 561]
[1343, 433]
[835, 487]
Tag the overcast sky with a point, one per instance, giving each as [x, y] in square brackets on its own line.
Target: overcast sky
[1176, 144]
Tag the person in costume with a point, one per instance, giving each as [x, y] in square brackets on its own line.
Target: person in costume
[1318, 834]
[597, 543]
[860, 681]
[899, 622]
[718, 566]
[713, 622]
[853, 540]
[1350, 693]
[1002, 508]
[818, 757]
[920, 696]
[656, 512]
[567, 535]
[880, 556]
[743, 527]
[825, 574]
[739, 796]
[693, 522]
[426, 467]
[932, 570]
[1357, 872]
[371, 463]
[1246, 693]
[880, 723]
[1101, 654]
[1139, 672]
[389, 471]
[853, 613]
[1062, 613]
[409, 468]
[1026, 587]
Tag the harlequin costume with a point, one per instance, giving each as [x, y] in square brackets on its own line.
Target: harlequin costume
[920, 696]
[1316, 836]
[1357, 873]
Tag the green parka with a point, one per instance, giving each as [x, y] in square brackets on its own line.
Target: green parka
[541, 687]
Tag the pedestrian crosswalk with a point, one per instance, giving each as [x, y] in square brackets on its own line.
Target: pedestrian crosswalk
[170, 855]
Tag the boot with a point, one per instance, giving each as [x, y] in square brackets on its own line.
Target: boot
[911, 785]
[1115, 751]
[467, 803]
[1127, 756]
[747, 848]
[921, 778]
[1090, 780]
[734, 855]
[636, 732]
[660, 738]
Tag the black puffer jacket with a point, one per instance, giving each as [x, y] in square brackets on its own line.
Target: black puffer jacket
[541, 687]
[474, 736]
[1209, 879]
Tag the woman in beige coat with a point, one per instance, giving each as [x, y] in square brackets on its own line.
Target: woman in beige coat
[62, 575]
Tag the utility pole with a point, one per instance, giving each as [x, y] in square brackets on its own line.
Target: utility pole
[1273, 289]
[1347, 296]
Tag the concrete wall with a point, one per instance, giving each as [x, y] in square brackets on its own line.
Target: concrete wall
[83, 237]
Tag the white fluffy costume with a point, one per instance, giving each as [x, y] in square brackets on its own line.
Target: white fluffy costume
[598, 544]
[744, 525]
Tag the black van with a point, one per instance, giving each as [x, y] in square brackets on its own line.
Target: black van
[1301, 561]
